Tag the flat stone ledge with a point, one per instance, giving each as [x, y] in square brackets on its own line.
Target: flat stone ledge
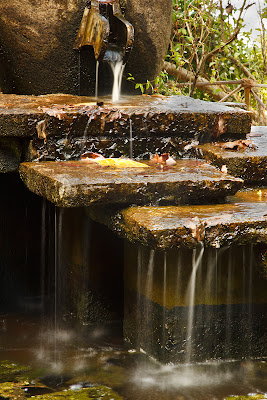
[77, 183]
[59, 114]
[248, 164]
[242, 221]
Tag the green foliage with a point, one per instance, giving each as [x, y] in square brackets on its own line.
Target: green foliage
[207, 42]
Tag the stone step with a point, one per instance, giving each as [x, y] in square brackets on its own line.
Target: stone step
[249, 163]
[78, 183]
[156, 115]
[242, 220]
[59, 126]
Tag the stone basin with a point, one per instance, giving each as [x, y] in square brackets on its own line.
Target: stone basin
[242, 220]
[78, 183]
[250, 164]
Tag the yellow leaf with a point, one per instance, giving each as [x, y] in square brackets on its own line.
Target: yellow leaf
[120, 163]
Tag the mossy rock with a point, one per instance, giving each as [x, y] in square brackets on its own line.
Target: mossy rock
[13, 372]
[100, 392]
[12, 390]
[249, 397]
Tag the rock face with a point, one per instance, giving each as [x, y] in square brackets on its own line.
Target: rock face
[10, 154]
[152, 23]
[37, 38]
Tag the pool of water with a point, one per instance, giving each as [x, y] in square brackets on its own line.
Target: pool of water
[63, 357]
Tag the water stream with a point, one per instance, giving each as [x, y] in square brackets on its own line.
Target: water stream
[117, 69]
[191, 293]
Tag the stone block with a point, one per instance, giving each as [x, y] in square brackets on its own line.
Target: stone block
[249, 164]
[80, 183]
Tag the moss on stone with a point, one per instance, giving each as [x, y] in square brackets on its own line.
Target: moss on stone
[13, 372]
[13, 390]
[100, 392]
[249, 397]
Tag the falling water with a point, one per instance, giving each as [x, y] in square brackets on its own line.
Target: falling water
[131, 138]
[58, 293]
[229, 311]
[163, 345]
[250, 282]
[96, 78]
[43, 252]
[139, 290]
[148, 293]
[196, 261]
[117, 69]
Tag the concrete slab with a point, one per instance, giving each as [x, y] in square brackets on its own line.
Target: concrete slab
[250, 164]
[77, 183]
[242, 220]
[77, 116]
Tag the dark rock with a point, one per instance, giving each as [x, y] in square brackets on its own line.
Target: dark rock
[37, 40]
[10, 154]
[152, 23]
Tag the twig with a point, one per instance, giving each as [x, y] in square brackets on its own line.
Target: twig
[230, 94]
[258, 99]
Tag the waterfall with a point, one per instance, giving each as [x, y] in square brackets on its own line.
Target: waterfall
[148, 293]
[58, 283]
[131, 138]
[191, 291]
[96, 78]
[117, 69]
[163, 345]
[196, 305]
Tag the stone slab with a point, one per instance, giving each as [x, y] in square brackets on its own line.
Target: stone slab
[78, 183]
[68, 116]
[248, 164]
[242, 220]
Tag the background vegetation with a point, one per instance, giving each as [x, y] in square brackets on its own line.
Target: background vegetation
[209, 43]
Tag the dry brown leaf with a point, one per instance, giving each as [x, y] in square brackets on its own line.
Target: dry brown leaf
[164, 159]
[237, 145]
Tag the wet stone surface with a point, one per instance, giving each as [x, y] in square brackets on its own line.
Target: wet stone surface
[51, 115]
[242, 220]
[80, 183]
[250, 163]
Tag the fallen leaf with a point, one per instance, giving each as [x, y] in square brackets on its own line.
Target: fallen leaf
[237, 145]
[164, 159]
[92, 156]
[120, 163]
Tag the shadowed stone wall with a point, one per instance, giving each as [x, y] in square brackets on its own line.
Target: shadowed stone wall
[36, 43]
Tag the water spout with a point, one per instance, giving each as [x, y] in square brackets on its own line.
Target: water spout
[104, 28]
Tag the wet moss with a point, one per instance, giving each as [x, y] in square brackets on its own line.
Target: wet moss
[249, 397]
[13, 372]
[100, 392]
[13, 390]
